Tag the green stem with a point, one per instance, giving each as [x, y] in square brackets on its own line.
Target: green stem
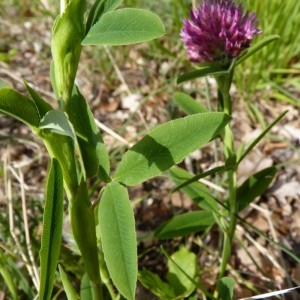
[105, 277]
[229, 233]
[97, 292]
[225, 102]
[62, 148]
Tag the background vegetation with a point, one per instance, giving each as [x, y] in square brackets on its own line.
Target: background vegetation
[133, 88]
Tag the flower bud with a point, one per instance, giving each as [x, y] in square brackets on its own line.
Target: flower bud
[67, 35]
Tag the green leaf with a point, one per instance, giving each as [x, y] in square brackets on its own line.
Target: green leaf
[6, 56]
[68, 287]
[19, 107]
[182, 277]
[118, 238]
[19, 277]
[85, 288]
[183, 271]
[185, 224]
[57, 122]
[8, 276]
[53, 82]
[167, 145]
[110, 5]
[254, 186]
[98, 9]
[256, 47]
[125, 26]
[152, 282]
[94, 153]
[84, 232]
[42, 106]
[52, 229]
[225, 288]
[204, 70]
[61, 147]
[193, 297]
[188, 104]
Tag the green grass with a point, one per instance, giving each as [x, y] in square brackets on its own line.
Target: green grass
[275, 63]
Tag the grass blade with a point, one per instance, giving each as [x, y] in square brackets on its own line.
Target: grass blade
[258, 139]
[256, 47]
[201, 72]
[52, 229]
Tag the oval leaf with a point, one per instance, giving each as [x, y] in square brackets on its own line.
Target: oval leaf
[19, 107]
[183, 272]
[185, 224]
[188, 104]
[225, 288]
[57, 122]
[167, 145]
[52, 229]
[94, 153]
[125, 26]
[42, 106]
[152, 282]
[118, 238]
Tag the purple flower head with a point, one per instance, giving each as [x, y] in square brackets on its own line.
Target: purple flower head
[219, 31]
